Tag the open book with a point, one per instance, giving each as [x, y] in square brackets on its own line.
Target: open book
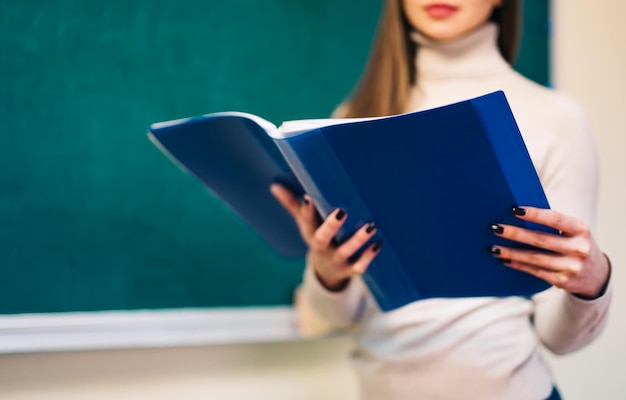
[433, 181]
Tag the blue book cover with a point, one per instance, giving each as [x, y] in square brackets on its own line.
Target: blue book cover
[433, 181]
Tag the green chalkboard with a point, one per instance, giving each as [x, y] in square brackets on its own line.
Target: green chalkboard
[92, 215]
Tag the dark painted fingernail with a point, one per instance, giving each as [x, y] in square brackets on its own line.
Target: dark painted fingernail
[519, 211]
[376, 247]
[494, 250]
[305, 201]
[340, 214]
[497, 228]
[370, 227]
[505, 261]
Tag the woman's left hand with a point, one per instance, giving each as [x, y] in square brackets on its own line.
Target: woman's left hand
[574, 262]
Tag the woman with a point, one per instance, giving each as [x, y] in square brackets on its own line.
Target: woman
[426, 54]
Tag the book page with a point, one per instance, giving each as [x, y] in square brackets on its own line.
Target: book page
[292, 128]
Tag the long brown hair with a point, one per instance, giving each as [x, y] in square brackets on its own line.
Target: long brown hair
[386, 81]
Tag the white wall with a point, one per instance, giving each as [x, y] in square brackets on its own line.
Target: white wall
[590, 65]
[271, 371]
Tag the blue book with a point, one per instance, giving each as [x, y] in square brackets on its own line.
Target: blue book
[433, 181]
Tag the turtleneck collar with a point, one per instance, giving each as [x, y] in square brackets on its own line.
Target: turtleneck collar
[473, 55]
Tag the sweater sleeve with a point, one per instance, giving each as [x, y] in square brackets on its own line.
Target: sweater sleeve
[337, 309]
[564, 322]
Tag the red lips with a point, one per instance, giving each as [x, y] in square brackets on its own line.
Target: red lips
[440, 11]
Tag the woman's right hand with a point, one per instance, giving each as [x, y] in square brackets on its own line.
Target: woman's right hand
[332, 263]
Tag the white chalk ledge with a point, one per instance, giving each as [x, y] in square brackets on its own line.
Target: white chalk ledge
[28, 333]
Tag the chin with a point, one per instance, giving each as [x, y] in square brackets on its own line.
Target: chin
[446, 30]
[441, 34]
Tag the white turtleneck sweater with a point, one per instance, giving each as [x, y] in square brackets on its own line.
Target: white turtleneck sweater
[479, 348]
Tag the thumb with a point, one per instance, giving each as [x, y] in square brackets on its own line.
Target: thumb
[286, 198]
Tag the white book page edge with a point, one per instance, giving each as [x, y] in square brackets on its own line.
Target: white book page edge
[292, 128]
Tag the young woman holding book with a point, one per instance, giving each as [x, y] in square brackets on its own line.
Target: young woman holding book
[428, 53]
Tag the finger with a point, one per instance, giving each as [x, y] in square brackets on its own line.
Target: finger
[557, 279]
[364, 261]
[579, 245]
[542, 240]
[347, 249]
[286, 198]
[565, 223]
[547, 261]
[303, 211]
[323, 236]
